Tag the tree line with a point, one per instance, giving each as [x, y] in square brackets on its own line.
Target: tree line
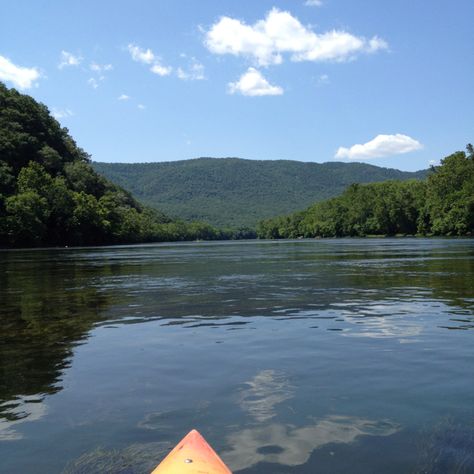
[442, 205]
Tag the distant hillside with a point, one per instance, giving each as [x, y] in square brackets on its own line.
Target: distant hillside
[232, 192]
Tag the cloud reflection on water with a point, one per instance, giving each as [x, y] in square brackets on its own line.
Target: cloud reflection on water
[25, 409]
[290, 446]
[267, 389]
[287, 444]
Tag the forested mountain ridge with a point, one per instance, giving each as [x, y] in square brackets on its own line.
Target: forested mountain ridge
[234, 192]
[50, 194]
[443, 204]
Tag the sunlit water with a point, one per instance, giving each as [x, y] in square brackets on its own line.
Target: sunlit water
[321, 356]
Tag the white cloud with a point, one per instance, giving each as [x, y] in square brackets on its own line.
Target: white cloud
[322, 80]
[100, 68]
[123, 97]
[380, 146]
[146, 56]
[68, 59]
[62, 113]
[161, 70]
[194, 72]
[21, 77]
[140, 55]
[267, 40]
[252, 83]
[376, 43]
[313, 3]
[141, 106]
[93, 82]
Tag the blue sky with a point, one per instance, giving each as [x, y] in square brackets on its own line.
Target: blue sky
[384, 82]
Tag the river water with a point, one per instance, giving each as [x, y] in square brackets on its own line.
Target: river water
[310, 356]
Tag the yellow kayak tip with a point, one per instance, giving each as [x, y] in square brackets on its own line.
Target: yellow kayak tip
[192, 455]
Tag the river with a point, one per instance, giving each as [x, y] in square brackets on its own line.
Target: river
[309, 356]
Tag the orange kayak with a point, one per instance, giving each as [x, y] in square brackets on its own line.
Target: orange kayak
[192, 455]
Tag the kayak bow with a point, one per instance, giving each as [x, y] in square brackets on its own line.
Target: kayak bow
[192, 455]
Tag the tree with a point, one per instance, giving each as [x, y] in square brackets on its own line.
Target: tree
[450, 196]
[27, 214]
[82, 178]
[7, 178]
[87, 223]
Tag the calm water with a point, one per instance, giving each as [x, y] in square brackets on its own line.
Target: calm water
[325, 356]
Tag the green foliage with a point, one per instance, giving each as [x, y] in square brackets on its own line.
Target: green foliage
[441, 205]
[7, 179]
[82, 178]
[50, 194]
[34, 177]
[26, 219]
[450, 197]
[235, 193]
[87, 220]
[30, 133]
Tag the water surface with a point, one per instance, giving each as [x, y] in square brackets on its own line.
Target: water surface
[326, 356]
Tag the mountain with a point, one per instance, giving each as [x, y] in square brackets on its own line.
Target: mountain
[233, 192]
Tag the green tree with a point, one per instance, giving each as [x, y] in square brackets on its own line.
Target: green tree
[87, 223]
[7, 178]
[34, 177]
[61, 205]
[27, 215]
[450, 195]
[82, 178]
